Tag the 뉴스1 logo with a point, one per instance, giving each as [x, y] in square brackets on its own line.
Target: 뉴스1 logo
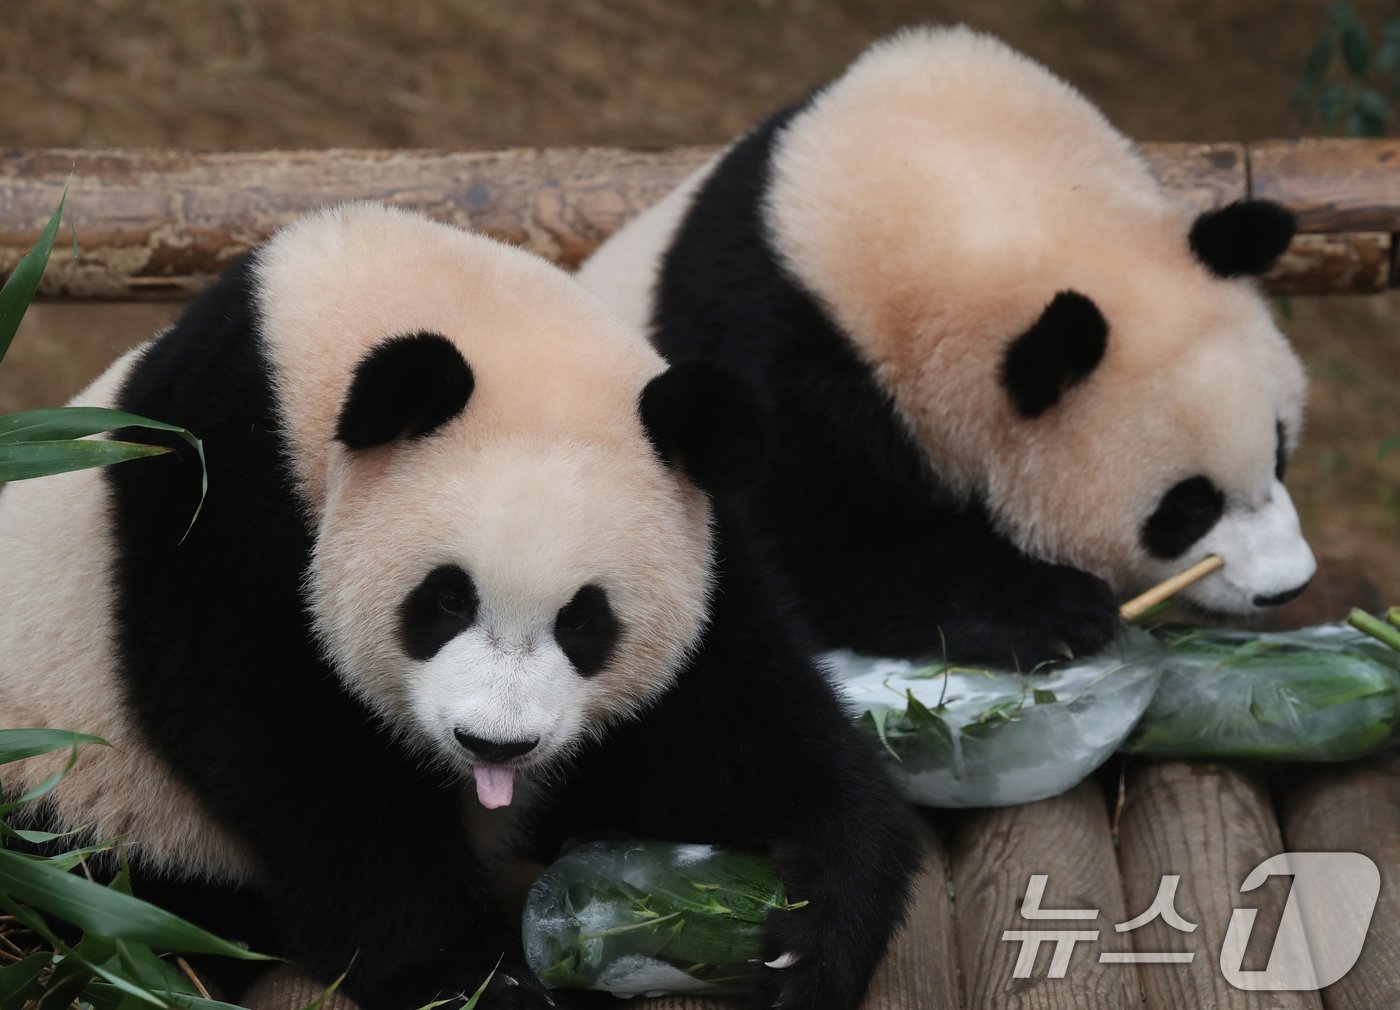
[1320, 934]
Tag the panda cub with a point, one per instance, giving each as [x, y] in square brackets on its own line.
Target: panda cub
[457, 531]
[1013, 382]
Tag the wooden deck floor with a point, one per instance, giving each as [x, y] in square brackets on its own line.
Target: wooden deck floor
[1209, 823]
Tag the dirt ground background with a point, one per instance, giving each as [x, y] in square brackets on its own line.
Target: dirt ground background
[646, 73]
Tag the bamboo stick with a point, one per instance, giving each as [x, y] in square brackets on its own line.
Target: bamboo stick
[1140, 605]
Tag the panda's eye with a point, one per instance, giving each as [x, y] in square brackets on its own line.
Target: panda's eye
[1281, 451]
[586, 630]
[1185, 514]
[439, 609]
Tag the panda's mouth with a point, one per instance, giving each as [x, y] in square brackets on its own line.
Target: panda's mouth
[495, 784]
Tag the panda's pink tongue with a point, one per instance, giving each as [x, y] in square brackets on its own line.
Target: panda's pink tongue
[495, 785]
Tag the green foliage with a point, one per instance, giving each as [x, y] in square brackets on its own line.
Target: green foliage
[1351, 78]
[114, 966]
[38, 443]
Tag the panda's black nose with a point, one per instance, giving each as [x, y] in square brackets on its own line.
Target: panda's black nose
[494, 750]
[1278, 599]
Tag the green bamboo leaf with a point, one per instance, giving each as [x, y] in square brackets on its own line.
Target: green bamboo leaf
[1319, 61]
[35, 923]
[1356, 48]
[25, 460]
[103, 911]
[18, 744]
[1391, 444]
[54, 423]
[1333, 103]
[20, 982]
[1372, 103]
[23, 281]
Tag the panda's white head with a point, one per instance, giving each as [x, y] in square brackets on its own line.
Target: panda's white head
[512, 547]
[1066, 345]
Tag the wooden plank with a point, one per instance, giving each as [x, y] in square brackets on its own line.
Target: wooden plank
[1354, 807]
[1354, 263]
[1210, 825]
[1332, 184]
[995, 853]
[161, 224]
[1200, 176]
[920, 970]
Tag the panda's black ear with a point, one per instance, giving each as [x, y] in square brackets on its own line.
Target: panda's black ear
[406, 387]
[1059, 350]
[708, 422]
[1243, 238]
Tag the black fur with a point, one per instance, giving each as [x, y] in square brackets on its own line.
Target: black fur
[442, 607]
[784, 771]
[1244, 238]
[362, 860]
[709, 422]
[407, 387]
[881, 557]
[1059, 351]
[1185, 514]
[586, 630]
[1280, 450]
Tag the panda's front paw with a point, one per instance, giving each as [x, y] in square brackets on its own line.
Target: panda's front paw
[809, 965]
[1072, 614]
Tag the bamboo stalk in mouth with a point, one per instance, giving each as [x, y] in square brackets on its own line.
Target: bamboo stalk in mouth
[1140, 605]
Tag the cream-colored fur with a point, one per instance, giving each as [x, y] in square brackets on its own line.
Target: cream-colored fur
[57, 669]
[544, 483]
[935, 199]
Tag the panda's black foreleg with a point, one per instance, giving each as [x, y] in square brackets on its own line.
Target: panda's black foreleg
[752, 749]
[389, 891]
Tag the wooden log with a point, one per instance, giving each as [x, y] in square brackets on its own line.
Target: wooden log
[1358, 263]
[161, 224]
[1200, 176]
[1332, 184]
[1354, 807]
[1210, 825]
[995, 853]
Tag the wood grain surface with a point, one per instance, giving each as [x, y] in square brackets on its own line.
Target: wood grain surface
[161, 224]
[995, 852]
[1209, 824]
[1354, 807]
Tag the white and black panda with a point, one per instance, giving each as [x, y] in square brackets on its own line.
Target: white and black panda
[455, 530]
[1013, 382]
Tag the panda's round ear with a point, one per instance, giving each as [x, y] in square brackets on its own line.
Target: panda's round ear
[1244, 238]
[406, 387]
[1060, 350]
[709, 423]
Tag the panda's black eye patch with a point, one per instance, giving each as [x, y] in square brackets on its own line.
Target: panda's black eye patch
[587, 630]
[437, 611]
[1185, 514]
[1281, 453]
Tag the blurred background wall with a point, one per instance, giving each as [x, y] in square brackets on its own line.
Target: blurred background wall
[244, 74]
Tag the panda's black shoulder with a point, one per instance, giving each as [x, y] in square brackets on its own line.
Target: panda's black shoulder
[209, 364]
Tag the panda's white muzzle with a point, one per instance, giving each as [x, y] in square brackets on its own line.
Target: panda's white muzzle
[499, 704]
[1267, 561]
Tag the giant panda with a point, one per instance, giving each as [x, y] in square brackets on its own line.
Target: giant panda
[1013, 382]
[457, 590]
